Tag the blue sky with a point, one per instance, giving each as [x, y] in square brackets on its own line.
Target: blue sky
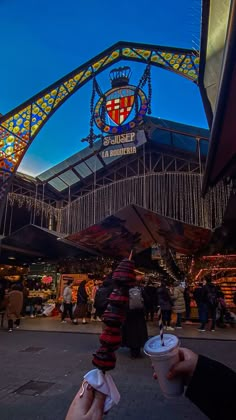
[42, 40]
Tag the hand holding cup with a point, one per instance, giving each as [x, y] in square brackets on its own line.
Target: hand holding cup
[184, 368]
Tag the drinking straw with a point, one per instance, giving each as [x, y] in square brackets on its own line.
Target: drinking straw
[160, 325]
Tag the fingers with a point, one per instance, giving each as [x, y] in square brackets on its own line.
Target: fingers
[186, 365]
[80, 404]
[97, 408]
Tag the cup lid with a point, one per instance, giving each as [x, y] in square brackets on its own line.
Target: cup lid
[154, 345]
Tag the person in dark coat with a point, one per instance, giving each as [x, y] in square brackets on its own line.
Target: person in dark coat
[82, 303]
[134, 331]
[102, 295]
[164, 300]
[150, 300]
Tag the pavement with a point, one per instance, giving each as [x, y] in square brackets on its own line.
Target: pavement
[53, 324]
[42, 371]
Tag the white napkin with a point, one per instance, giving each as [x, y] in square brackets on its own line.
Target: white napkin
[105, 384]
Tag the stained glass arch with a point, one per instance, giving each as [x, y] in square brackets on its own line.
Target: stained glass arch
[20, 126]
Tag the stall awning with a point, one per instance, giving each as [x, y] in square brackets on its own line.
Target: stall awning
[31, 242]
[136, 227]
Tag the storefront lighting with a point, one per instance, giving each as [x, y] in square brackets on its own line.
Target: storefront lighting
[203, 270]
[219, 257]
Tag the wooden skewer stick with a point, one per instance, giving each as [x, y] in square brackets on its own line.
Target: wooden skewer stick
[130, 255]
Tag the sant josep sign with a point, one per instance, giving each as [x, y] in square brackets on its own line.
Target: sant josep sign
[126, 143]
[122, 144]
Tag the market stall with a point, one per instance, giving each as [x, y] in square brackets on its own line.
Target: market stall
[40, 289]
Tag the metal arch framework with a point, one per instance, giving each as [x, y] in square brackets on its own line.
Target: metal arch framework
[20, 126]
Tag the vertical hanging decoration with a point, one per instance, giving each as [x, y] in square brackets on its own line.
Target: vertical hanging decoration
[92, 136]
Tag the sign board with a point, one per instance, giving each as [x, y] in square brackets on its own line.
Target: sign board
[122, 144]
[75, 278]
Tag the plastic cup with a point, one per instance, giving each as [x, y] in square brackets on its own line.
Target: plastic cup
[163, 358]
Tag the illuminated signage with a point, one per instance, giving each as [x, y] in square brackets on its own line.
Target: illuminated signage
[126, 141]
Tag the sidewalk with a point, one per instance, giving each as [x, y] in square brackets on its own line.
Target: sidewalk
[42, 372]
[53, 324]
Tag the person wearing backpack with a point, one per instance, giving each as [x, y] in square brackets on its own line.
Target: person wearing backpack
[134, 330]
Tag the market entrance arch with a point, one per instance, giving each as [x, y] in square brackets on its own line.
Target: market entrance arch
[19, 127]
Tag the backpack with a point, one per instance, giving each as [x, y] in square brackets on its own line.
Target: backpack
[100, 301]
[212, 295]
[135, 298]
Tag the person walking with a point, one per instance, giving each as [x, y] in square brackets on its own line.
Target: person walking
[179, 304]
[67, 302]
[82, 303]
[165, 302]
[134, 330]
[14, 307]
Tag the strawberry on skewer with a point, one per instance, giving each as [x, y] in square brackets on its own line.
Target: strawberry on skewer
[114, 316]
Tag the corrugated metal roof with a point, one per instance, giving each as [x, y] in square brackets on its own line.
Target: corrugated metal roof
[83, 170]
[172, 134]
[58, 184]
[69, 177]
[94, 163]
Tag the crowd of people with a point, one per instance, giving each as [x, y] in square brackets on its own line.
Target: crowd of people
[174, 300]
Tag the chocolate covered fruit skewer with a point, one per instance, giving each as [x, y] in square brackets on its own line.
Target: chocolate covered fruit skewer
[114, 315]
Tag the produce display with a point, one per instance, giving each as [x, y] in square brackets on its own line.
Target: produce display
[114, 316]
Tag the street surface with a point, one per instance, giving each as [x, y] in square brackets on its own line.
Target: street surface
[58, 361]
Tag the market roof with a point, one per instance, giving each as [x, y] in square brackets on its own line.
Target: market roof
[89, 160]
